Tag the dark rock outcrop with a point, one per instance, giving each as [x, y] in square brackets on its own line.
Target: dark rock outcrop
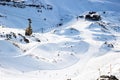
[93, 16]
[106, 77]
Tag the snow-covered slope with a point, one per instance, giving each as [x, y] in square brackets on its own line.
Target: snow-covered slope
[63, 46]
[59, 12]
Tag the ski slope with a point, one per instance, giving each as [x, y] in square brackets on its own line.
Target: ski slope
[76, 50]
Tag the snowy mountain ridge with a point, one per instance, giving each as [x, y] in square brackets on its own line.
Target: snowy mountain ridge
[61, 12]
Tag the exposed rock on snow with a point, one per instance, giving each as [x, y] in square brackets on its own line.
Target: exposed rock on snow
[94, 16]
[106, 77]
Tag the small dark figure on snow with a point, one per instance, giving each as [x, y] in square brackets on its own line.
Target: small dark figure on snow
[28, 31]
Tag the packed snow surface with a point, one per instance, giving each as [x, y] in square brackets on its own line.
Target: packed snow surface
[63, 45]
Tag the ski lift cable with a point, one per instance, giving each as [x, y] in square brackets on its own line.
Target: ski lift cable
[8, 11]
[33, 18]
[35, 21]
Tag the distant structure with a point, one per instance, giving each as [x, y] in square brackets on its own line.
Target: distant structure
[94, 16]
[13, 0]
[6, 0]
[28, 30]
[17, 0]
